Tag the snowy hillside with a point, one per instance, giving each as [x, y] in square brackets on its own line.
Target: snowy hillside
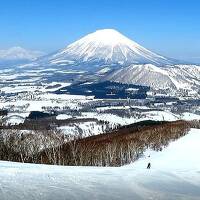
[174, 175]
[173, 77]
[102, 47]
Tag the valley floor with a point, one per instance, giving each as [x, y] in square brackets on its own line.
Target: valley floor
[175, 174]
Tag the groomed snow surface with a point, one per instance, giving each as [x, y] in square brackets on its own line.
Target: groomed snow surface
[175, 174]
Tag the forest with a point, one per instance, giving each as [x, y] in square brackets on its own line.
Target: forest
[114, 148]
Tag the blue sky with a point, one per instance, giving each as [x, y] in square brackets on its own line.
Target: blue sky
[168, 27]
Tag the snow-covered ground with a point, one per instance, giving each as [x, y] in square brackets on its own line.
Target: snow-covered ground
[190, 116]
[45, 100]
[174, 175]
[32, 87]
[84, 129]
[151, 115]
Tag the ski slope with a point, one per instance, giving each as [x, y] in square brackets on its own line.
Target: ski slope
[175, 174]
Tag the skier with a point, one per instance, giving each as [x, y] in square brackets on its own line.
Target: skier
[149, 165]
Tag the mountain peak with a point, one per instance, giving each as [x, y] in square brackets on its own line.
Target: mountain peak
[19, 53]
[107, 36]
[105, 47]
[106, 31]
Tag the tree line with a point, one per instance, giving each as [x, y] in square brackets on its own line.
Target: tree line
[116, 148]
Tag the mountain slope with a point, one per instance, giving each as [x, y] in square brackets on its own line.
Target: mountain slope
[102, 47]
[173, 77]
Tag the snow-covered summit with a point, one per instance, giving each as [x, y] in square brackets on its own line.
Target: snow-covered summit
[106, 46]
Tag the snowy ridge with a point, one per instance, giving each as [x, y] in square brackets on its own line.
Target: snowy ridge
[105, 46]
[173, 77]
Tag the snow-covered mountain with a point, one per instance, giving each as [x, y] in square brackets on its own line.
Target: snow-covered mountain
[19, 53]
[15, 55]
[110, 54]
[105, 47]
[173, 77]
